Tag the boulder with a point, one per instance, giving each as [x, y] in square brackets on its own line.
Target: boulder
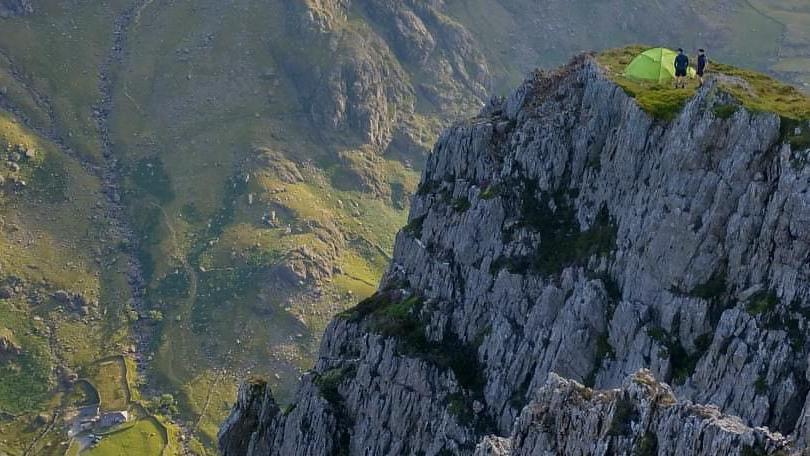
[6, 292]
[9, 347]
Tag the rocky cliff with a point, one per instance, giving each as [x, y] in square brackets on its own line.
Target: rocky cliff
[566, 234]
[10, 8]
[643, 417]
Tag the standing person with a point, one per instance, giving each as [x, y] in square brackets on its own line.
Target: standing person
[681, 65]
[702, 63]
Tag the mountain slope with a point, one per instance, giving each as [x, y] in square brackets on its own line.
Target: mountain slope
[565, 230]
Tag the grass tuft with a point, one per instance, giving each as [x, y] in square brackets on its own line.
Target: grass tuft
[725, 111]
[762, 302]
[461, 204]
[329, 382]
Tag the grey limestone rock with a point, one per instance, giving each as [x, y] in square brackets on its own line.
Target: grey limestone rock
[11, 8]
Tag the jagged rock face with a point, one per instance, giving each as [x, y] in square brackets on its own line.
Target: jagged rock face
[565, 231]
[10, 8]
[643, 417]
[250, 402]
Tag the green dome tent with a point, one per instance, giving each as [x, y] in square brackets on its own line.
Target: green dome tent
[654, 65]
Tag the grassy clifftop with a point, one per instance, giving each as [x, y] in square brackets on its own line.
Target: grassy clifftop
[754, 90]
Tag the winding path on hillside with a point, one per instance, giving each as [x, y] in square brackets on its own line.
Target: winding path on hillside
[229, 363]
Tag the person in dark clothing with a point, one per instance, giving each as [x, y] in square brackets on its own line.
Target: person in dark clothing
[702, 63]
[681, 65]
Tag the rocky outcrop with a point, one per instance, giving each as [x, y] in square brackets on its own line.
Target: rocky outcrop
[9, 348]
[565, 233]
[74, 301]
[11, 8]
[251, 400]
[643, 417]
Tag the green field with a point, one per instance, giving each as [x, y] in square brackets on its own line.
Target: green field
[109, 378]
[145, 437]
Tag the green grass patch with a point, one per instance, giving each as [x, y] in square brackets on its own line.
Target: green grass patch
[208, 398]
[414, 227]
[562, 244]
[218, 286]
[145, 438]
[401, 310]
[461, 204]
[26, 381]
[329, 382]
[391, 315]
[661, 101]
[762, 302]
[725, 111]
[109, 379]
[174, 285]
[49, 180]
[760, 92]
[796, 133]
[714, 288]
[26, 378]
[58, 51]
[150, 176]
[491, 192]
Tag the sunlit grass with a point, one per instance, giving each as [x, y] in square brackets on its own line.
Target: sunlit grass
[755, 91]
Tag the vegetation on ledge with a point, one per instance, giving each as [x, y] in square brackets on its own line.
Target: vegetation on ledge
[755, 91]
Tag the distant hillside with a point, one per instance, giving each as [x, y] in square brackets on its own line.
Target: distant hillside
[517, 35]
